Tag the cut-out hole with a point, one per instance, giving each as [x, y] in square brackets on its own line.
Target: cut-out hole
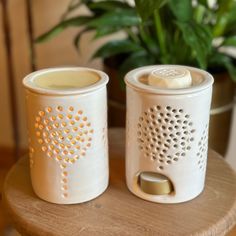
[56, 125]
[53, 118]
[50, 154]
[40, 141]
[72, 123]
[41, 113]
[59, 108]
[69, 116]
[63, 124]
[63, 166]
[49, 109]
[64, 181]
[65, 195]
[71, 108]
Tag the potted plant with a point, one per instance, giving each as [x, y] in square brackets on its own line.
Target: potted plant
[187, 32]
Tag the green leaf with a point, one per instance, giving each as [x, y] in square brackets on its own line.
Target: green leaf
[75, 21]
[78, 36]
[230, 41]
[199, 39]
[135, 60]
[103, 31]
[119, 19]
[224, 6]
[108, 5]
[203, 2]
[220, 26]
[226, 17]
[146, 8]
[232, 70]
[73, 5]
[148, 42]
[116, 47]
[182, 10]
[199, 13]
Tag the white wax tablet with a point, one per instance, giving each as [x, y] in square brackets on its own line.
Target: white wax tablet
[170, 78]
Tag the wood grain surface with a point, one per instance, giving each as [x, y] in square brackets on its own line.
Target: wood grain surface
[118, 212]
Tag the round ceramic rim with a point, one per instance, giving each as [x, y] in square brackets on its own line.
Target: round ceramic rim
[132, 80]
[28, 81]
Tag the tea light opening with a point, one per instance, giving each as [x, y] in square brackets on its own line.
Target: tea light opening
[155, 183]
[170, 77]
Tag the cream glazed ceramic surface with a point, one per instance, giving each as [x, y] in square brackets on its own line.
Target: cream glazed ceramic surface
[167, 132]
[68, 138]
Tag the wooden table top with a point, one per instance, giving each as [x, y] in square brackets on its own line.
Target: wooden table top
[117, 211]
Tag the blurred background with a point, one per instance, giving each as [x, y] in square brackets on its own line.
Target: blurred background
[21, 21]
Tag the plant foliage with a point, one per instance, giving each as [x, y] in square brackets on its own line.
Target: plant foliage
[158, 31]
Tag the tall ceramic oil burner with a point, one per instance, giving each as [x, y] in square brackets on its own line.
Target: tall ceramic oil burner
[167, 132]
[67, 124]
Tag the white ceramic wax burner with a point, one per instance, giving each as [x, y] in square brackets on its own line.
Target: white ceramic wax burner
[167, 132]
[67, 123]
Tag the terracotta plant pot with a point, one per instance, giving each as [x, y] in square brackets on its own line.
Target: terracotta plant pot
[116, 97]
[221, 108]
[221, 112]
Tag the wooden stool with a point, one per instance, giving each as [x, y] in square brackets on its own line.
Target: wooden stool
[117, 211]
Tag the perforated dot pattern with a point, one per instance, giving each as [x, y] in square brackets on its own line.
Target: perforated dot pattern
[104, 129]
[165, 134]
[31, 156]
[64, 134]
[202, 149]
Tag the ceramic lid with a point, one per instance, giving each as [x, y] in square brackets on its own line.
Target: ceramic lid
[138, 79]
[98, 79]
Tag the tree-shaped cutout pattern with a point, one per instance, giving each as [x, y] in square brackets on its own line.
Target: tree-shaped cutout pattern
[64, 134]
[165, 134]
